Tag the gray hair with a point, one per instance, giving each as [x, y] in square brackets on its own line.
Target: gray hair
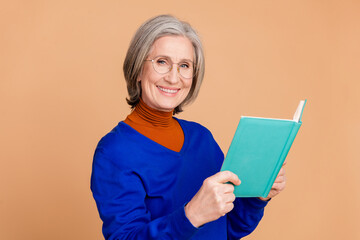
[140, 45]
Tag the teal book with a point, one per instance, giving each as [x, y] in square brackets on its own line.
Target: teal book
[258, 151]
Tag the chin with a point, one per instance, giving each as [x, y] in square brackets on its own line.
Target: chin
[168, 107]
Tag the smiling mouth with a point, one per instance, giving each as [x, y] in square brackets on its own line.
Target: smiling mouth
[167, 90]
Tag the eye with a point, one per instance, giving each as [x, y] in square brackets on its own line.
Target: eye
[184, 65]
[162, 61]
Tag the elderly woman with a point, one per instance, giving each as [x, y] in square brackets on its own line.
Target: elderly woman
[155, 176]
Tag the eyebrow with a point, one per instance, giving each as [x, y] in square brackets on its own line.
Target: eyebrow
[181, 60]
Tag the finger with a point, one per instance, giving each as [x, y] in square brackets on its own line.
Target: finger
[228, 208]
[278, 186]
[285, 163]
[281, 172]
[226, 176]
[229, 198]
[280, 179]
[228, 188]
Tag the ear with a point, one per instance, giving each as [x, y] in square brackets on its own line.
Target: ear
[139, 76]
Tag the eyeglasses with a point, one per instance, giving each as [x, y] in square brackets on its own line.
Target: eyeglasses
[162, 65]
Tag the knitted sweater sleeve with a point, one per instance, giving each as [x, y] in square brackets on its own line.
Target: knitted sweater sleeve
[245, 217]
[119, 195]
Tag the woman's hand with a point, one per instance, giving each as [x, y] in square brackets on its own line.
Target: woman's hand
[278, 185]
[214, 199]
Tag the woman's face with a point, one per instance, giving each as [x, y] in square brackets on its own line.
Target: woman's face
[166, 91]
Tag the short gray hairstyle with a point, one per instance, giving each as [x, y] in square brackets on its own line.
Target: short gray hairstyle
[140, 46]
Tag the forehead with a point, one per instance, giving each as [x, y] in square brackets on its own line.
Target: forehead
[175, 47]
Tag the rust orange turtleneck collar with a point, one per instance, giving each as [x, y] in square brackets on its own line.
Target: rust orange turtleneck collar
[159, 126]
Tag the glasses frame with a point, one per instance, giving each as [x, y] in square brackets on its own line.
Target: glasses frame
[178, 67]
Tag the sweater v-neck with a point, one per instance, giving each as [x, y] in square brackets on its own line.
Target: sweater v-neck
[156, 125]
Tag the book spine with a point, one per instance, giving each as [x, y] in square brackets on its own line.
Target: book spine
[282, 157]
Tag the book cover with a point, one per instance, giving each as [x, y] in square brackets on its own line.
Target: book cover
[258, 150]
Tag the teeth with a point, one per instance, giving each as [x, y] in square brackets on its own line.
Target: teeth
[167, 90]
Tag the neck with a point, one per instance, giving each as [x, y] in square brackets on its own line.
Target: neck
[159, 126]
[154, 117]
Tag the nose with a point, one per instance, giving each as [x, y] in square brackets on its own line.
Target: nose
[173, 75]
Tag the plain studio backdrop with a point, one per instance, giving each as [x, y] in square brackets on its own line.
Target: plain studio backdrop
[62, 89]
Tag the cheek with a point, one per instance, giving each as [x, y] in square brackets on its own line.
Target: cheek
[187, 88]
[189, 85]
[145, 74]
[149, 78]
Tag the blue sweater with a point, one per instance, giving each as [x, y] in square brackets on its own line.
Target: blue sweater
[141, 187]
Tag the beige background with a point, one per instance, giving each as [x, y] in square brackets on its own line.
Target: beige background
[62, 89]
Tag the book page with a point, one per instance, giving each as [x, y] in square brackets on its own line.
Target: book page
[299, 109]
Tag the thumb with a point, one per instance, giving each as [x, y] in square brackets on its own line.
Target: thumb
[226, 176]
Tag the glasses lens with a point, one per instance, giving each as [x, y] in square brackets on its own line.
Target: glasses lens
[161, 65]
[186, 69]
